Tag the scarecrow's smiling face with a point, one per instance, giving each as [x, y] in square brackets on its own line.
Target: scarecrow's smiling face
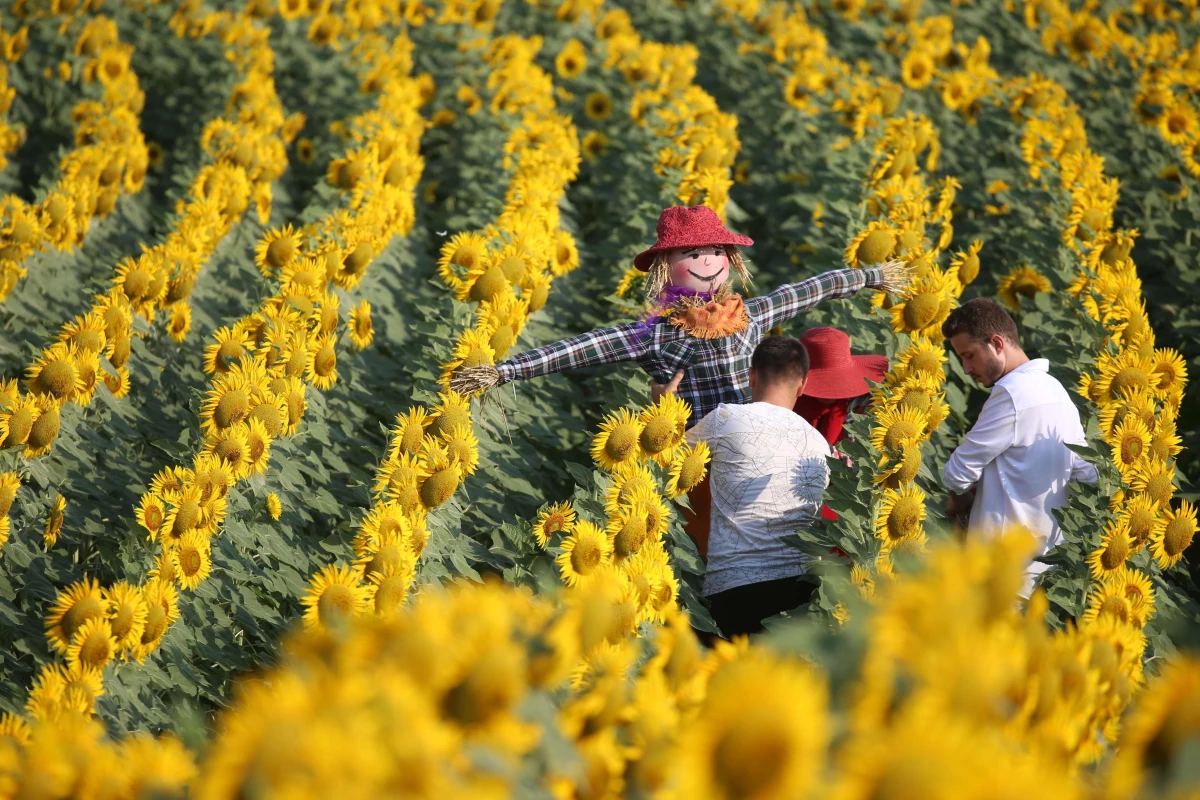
[703, 269]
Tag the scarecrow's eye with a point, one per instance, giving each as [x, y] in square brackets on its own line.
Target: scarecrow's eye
[695, 256]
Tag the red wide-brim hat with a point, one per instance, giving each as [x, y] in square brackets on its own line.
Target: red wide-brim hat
[835, 374]
[681, 226]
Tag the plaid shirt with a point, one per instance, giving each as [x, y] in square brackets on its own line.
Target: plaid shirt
[715, 370]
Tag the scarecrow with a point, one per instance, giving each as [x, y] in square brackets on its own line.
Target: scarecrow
[693, 323]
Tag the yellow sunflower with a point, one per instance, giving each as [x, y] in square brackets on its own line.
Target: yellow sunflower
[258, 442]
[274, 505]
[594, 145]
[558, 518]
[54, 521]
[18, 420]
[473, 349]
[362, 332]
[598, 106]
[460, 257]
[566, 254]
[463, 447]
[1107, 599]
[233, 446]
[617, 443]
[740, 745]
[126, 613]
[230, 345]
[387, 589]
[921, 357]
[226, 404]
[170, 482]
[1125, 372]
[1116, 547]
[55, 373]
[1141, 515]
[409, 430]
[900, 514]
[874, 245]
[584, 551]
[1179, 122]
[277, 249]
[162, 602]
[1022, 281]
[897, 427]
[1155, 480]
[627, 532]
[78, 603]
[1170, 369]
[93, 645]
[333, 595]
[1130, 444]
[44, 430]
[1169, 542]
[927, 303]
[917, 69]
[663, 428]
[688, 468]
[444, 474]
[10, 482]
[1135, 587]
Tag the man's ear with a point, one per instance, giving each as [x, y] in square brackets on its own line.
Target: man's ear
[801, 385]
[753, 379]
[998, 342]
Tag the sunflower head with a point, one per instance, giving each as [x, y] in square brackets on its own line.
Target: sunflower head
[663, 426]
[900, 513]
[1175, 535]
[688, 468]
[874, 245]
[584, 551]
[1116, 547]
[617, 443]
[558, 518]
[334, 595]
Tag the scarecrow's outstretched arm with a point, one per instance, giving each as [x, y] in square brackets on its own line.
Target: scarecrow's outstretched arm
[605, 346]
[790, 299]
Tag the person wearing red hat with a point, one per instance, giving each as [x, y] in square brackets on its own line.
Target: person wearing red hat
[837, 385]
[693, 321]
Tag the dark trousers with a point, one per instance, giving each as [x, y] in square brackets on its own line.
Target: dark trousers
[743, 608]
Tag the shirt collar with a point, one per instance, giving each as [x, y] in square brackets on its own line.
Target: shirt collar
[1032, 365]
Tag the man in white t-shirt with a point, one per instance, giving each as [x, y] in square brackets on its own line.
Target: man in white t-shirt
[1013, 466]
[767, 474]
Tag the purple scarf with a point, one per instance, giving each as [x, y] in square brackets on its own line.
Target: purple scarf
[666, 298]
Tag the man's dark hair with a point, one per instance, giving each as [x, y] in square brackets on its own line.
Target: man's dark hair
[780, 358]
[981, 319]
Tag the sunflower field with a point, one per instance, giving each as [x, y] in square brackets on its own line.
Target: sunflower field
[253, 544]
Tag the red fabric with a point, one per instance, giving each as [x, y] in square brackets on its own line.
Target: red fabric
[834, 374]
[681, 226]
[696, 521]
[827, 418]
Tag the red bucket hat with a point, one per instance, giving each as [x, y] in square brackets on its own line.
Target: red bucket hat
[681, 226]
[834, 374]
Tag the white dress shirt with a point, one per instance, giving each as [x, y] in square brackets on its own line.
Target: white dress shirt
[1015, 455]
[767, 475]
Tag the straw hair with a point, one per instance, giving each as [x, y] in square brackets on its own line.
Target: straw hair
[469, 380]
[897, 276]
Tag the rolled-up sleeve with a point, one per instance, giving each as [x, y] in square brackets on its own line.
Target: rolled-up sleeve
[993, 433]
[1082, 471]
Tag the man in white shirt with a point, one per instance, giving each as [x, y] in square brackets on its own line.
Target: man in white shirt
[768, 473]
[1012, 468]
